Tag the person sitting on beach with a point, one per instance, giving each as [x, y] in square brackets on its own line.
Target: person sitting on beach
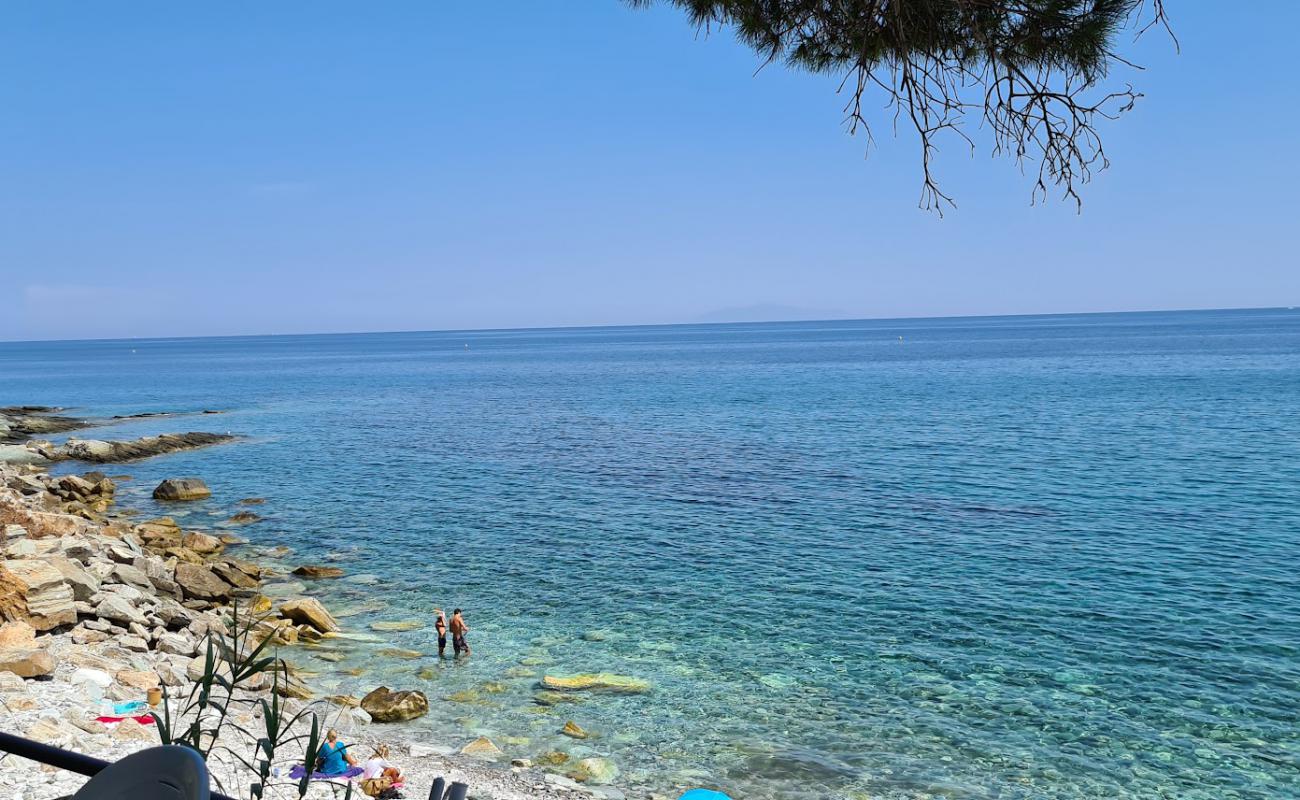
[379, 773]
[440, 625]
[333, 758]
[458, 631]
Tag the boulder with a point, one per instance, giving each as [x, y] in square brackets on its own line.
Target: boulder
[17, 635]
[482, 747]
[384, 705]
[144, 680]
[160, 532]
[199, 582]
[26, 663]
[202, 543]
[82, 583]
[317, 571]
[13, 596]
[118, 609]
[182, 489]
[131, 576]
[233, 575]
[244, 518]
[309, 611]
[596, 682]
[176, 644]
[47, 599]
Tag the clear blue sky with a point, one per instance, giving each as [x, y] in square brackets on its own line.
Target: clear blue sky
[262, 167]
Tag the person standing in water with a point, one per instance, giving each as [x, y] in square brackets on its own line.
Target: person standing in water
[440, 625]
[458, 631]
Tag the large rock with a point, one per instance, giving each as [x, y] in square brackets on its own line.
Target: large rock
[118, 609]
[309, 611]
[199, 582]
[596, 682]
[161, 532]
[233, 575]
[48, 599]
[317, 571]
[182, 489]
[26, 663]
[13, 596]
[17, 636]
[125, 573]
[384, 705]
[202, 543]
[82, 583]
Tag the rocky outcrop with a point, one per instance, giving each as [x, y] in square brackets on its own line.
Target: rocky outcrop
[385, 705]
[47, 598]
[309, 611]
[97, 451]
[182, 489]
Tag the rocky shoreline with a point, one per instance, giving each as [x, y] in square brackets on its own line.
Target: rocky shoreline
[97, 609]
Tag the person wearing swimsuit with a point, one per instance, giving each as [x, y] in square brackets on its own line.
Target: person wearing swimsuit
[440, 625]
[458, 631]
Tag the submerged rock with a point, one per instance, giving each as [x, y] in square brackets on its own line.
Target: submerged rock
[482, 747]
[404, 625]
[594, 770]
[244, 518]
[385, 705]
[176, 489]
[596, 682]
[574, 731]
[315, 571]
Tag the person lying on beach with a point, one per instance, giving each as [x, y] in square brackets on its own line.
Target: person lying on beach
[440, 625]
[333, 758]
[379, 773]
[458, 631]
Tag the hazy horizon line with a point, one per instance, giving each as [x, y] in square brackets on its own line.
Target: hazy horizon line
[714, 324]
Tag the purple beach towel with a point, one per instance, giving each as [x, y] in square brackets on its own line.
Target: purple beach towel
[298, 771]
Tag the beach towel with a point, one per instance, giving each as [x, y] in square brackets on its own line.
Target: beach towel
[298, 772]
[129, 707]
[144, 719]
[703, 794]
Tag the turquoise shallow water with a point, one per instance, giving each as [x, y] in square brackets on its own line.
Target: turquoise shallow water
[1032, 557]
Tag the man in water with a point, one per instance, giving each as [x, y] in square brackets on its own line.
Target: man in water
[458, 631]
[440, 625]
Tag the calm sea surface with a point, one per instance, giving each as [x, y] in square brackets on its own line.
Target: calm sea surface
[1029, 557]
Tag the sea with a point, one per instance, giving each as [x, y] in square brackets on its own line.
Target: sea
[996, 557]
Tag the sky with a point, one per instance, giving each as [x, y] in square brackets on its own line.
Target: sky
[222, 168]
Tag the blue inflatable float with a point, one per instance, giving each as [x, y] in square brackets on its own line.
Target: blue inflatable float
[704, 794]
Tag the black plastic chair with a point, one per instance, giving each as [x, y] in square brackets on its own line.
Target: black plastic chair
[159, 773]
[458, 790]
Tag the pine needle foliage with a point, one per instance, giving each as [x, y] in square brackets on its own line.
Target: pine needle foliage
[1031, 71]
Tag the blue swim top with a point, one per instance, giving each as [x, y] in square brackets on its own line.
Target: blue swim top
[704, 794]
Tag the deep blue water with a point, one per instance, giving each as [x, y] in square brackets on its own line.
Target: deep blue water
[1029, 557]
